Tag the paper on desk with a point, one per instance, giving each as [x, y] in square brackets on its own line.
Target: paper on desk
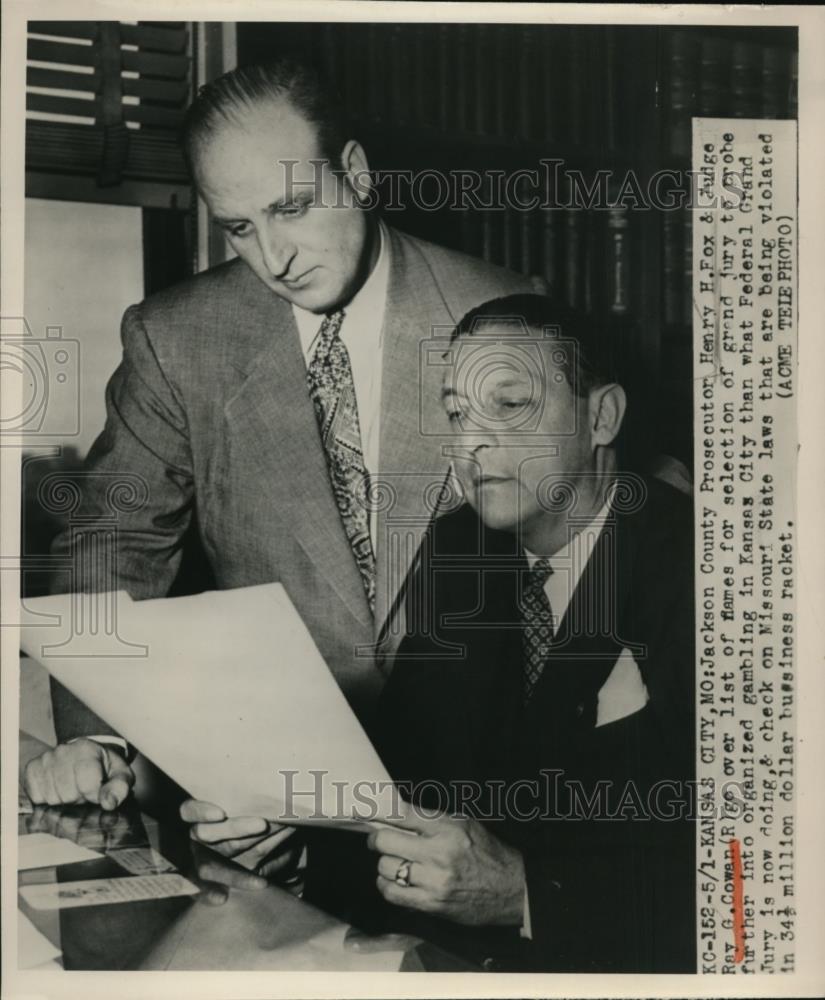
[42, 850]
[232, 699]
[102, 891]
[33, 948]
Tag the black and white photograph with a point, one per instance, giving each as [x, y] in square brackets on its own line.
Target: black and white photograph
[409, 499]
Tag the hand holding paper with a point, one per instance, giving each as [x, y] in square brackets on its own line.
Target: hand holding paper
[227, 693]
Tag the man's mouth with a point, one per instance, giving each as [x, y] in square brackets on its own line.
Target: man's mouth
[298, 282]
[484, 479]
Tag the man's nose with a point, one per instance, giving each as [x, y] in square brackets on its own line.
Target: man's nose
[277, 253]
[474, 439]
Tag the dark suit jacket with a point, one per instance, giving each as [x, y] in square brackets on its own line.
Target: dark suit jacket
[209, 415]
[606, 895]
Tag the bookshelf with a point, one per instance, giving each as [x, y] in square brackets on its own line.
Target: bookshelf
[501, 98]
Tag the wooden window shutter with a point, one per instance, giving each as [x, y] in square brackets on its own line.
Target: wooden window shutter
[104, 101]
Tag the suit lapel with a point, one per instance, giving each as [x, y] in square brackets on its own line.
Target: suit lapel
[271, 418]
[414, 427]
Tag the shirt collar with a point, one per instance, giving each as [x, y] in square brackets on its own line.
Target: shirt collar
[577, 551]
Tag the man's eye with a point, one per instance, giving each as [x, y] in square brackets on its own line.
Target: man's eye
[513, 404]
[241, 230]
[292, 211]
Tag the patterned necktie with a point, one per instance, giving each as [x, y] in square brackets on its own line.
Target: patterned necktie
[332, 390]
[537, 616]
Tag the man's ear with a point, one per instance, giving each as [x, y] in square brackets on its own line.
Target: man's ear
[607, 409]
[356, 169]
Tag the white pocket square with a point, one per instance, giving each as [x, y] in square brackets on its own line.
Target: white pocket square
[624, 691]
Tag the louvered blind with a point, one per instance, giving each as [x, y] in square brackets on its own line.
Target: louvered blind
[104, 100]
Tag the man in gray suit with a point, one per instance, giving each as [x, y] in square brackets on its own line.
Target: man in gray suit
[284, 398]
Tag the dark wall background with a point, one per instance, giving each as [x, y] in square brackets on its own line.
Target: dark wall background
[617, 98]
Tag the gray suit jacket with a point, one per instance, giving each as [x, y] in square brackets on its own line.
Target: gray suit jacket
[209, 412]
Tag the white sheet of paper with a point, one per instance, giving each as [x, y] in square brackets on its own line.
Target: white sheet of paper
[42, 850]
[225, 691]
[33, 948]
[96, 892]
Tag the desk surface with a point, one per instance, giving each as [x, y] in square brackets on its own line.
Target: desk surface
[253, 930]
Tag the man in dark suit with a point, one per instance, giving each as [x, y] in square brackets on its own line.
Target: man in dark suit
[541, 711]
[277, 399]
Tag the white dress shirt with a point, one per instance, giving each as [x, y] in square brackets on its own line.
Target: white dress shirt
[362, 332]
[568, 565]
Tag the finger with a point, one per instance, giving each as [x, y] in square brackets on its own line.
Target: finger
[408, 816]
[108, 822]
[115, 791]
[211, 893]
[196, 811]
[412, 897]
[63, 762]
[236, 828]
[90, 776]
[33, 782]
[214, 895]
[49, 789]
[401, 844]
[120, 780]
[232, 878]
[68, 826]
[283, 865]
[239, 846]
[253, 851]
[420, 874]
[37, 822]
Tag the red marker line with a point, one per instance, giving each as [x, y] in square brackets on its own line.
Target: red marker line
[738, 901]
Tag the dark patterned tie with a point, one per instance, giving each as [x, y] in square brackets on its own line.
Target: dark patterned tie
[537, 616]
[331, 388]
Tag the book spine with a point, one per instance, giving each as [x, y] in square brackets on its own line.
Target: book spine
[687, 270]
[423, 75]
[577, 104]
[672, 272]
[526, 220]
[611, 91]
[549, 248]
[573, 257]
[461, 88]
[745, 80]
[776, 66]
[482, 80]
[714, 77]
[548, 132]
[443, 67]
[682, 89]
[375, 73]
[793, 86]
[509, 246]
[618, 260]
[527, 91]
[397, 113]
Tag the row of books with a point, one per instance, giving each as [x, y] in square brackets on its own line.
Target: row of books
[583, 256]
[713, 76]
[489, 95]
[546, 85]
[554, 87]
